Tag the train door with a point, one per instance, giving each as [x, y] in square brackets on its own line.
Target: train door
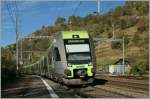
[56, 57]
[57, 61]
[51, 61]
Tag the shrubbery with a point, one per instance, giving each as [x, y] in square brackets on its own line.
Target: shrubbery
[142, 25]
[8, 71]
[8, 66]
[136, 71]
[136, 39]
[116, 45]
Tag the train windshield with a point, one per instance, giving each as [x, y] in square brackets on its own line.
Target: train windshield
[78, 51]
[78, 57]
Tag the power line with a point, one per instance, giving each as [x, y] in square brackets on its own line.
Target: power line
[16, 8]
[10, 13]
[17, 33]
[98, 6]
[59, 10]
[76, 8]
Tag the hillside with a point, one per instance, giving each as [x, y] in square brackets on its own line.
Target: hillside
[130, 21]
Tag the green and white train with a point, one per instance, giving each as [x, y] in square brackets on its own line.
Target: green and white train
[70, 59]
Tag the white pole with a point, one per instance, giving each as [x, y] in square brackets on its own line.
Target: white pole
[113, 31]
[123, 57]
[17, 37]
[21, 49]
[21, 61]
[98, 6]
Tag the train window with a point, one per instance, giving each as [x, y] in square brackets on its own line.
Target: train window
[57, 55]
[49, 56]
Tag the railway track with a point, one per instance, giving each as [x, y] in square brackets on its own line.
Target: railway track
[94, 92]
[32, 86]
[104, 88]
[123, 92]
[114, 89]
[124, 79]
[144, 87]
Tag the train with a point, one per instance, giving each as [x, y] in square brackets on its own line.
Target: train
[69, 60]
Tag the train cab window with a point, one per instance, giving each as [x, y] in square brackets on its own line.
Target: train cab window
[57, 55]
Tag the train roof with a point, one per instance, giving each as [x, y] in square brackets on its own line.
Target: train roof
[74, 34]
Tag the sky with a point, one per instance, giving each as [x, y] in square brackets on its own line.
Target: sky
[32, 15]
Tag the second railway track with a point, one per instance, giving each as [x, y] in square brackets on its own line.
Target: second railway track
[114, 89]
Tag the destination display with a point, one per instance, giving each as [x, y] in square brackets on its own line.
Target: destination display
[70, 48]
[76, 41]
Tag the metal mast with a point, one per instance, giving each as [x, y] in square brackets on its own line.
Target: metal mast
[123, 56]
[17, 36]
[113, 32]
[98, 6]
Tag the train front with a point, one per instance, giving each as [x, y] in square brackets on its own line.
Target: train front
[79, 55]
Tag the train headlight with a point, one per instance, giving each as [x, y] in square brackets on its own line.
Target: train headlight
[90, 64]
[69, 65]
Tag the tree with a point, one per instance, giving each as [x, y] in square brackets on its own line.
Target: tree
[123, 24]
[117, 13]
[8, 66]
[116, 45]
[60, 20]
[109, 35]
[126, 39]
[136, 39]
[143, 24]
[75, 20]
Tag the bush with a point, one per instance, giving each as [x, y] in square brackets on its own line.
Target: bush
[143, 64]
[131, 21]
[143, 25]
[109, 35]
[126, 39]
[136, 70]
[116, 45]
[123, 24]
[8, 71]
[8, 66]
[136, 39]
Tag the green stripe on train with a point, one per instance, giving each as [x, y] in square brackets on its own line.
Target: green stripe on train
[69, 34]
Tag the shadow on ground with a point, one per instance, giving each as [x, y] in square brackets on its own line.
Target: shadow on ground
[99, 82]
[96, 82]
[26, 87]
